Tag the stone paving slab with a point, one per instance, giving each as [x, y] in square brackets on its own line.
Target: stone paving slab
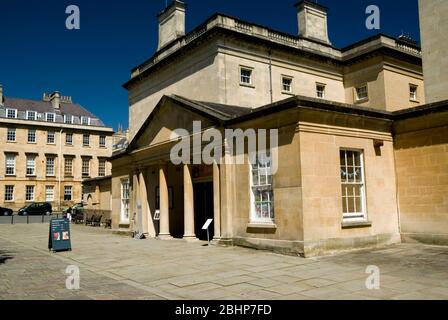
[117, 267]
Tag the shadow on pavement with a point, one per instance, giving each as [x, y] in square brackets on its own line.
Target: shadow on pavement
[4, 256]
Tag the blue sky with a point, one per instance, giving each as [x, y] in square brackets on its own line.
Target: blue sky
[38, 54]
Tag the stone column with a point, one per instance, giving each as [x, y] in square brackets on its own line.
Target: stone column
[164, 204]
[135, 196]
[189, 232]
[216, 202]
[146, 214]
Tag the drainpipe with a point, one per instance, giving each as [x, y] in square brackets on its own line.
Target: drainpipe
[59, 168]
[270, 75]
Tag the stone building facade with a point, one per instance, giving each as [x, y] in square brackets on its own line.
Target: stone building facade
[344, 119]
[48, 148]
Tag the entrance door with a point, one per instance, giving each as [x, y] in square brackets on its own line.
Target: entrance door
[203, 208]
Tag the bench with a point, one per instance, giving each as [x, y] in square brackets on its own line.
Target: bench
[97, 220]
[108, 223]
[89, 220]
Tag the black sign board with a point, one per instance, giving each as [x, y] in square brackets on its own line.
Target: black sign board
[59, 235]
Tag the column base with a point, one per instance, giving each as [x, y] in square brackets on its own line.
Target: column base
[190, 238]
[165, 236]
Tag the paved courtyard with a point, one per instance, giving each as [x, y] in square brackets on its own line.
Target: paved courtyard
[118, 267]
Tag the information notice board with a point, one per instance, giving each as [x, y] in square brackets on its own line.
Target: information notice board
[59, 235]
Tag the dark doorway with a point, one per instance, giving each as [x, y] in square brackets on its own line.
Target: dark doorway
[203, 208]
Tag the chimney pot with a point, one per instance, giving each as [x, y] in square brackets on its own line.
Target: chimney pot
[312, 21]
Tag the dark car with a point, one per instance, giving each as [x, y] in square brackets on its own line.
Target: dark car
[36, 209]
[5, 212]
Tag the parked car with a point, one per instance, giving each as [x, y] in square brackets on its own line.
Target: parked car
[5, 212]
[36, 209]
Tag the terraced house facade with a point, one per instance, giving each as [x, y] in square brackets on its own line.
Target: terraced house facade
[346, 119]
[47, 148]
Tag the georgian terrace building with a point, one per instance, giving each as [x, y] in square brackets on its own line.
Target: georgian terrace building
[348, 121]
[47, 148]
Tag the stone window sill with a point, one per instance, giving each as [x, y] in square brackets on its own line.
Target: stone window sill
[289, 93]
[261, 225]
[248, 85]
[356, 224]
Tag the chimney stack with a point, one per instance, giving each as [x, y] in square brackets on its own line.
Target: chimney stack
[1, 95]
[312, 21]
[55, 99]
[171, 23]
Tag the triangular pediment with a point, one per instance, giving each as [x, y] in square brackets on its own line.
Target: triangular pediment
[168, 116]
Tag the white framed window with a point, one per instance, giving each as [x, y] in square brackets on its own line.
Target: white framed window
[50, 117]
[245, 76]
[68, 119]
[68, 193]
[101, 167]
[69, 139]
[102, 141]
[286, 84]
[68, 167]
[11, 135]
[29, 193]
[353, 185]
[31, 135]
[85, 168]
[31, 115]
[86, 140]
[9, 193]
[11, 113]
[320, 90]
[413, 92]
[10, 164]
[49, 166]
[85, 121]
[49, 193]
[362, 93]
[50, 137]
[30, 165]
[124, 217]
[262, 191]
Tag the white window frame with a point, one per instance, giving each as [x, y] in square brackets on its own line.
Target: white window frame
[86, 140]
[85, 169]
[29, 193]
[69, 142]
[68, 191]
[34, 118]
[66, 117]
[49, 134]
[250, 77]
[9, 190]
[101, 167]
[290, 79]
[324, 86]
[30, 165]
[413, 96]
[7, 113]
[50, 168]
[101, 144]
[31, 135]
[68, 164]
[52, 114]
[10, 163]
[359, 90]
[49, 196]
[87, 122]
[11, 133]
[261, 167]
[357, 215]
[124, 195]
